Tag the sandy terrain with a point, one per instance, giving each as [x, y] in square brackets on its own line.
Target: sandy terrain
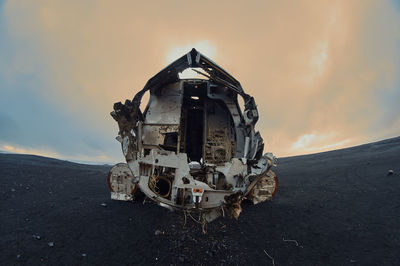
[336, 208]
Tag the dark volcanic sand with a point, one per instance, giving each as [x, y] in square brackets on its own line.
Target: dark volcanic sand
[341, 207]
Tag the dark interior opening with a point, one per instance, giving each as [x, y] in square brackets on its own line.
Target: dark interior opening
[163, 187]
[170, 141]
[193, 114]
[194, 135]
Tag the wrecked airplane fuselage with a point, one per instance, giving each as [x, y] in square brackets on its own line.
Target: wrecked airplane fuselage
[192, 148]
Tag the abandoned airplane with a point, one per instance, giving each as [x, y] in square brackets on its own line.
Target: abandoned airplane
[192, 148]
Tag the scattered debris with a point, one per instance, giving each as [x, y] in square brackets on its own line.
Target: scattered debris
[27, 188]
[269, 256]
[18, 256]
[84, 255]
[103, 204]
[391, 172]
[13, 190]
[36, 237]
[158, 232]
[50, 244]
[292, 240]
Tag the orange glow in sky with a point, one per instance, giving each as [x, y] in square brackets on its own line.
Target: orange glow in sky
[324, 74]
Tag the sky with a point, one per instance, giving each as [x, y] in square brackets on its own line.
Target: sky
[324, 74]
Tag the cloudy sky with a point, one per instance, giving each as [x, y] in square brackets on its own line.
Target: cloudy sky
[325, 74]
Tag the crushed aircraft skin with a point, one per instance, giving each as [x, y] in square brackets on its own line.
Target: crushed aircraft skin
[192, 148]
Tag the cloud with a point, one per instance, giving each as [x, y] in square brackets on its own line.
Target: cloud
[100, 158]
[9, 129]
[304, 141]
[313, 66]
[314, 143]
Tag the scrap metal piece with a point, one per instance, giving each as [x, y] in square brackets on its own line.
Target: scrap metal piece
[193, 147]
[121, 182]
[264, 189]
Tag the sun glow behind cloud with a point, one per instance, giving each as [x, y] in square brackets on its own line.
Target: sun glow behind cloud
[175, 52]
[204, 46]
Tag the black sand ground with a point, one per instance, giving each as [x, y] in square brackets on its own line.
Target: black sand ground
[341, 207]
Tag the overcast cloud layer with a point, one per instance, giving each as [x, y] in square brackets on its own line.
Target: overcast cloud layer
[325, 74]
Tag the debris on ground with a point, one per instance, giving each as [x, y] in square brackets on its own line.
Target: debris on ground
[390, 172]
[292, 240]
[50, 244]
[269, 256]
[103, 204]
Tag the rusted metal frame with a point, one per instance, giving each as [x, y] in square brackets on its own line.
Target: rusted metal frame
[170, 74]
